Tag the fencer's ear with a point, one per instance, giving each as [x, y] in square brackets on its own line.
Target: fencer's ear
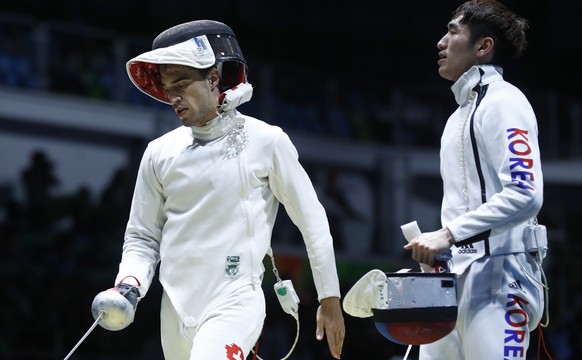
[214, 78]
[484, 47]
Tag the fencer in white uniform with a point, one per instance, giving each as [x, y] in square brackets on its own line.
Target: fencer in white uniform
[501, 298]
[206, 199]
[493, 191]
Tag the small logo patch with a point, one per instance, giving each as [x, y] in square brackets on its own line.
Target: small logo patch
[467, 249]
[516, 285]
[232, 266]
[234, 352]
[200, 43]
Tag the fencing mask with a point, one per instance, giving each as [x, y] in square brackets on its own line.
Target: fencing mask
[407, 308]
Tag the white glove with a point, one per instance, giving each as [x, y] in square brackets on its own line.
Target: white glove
[116, 306]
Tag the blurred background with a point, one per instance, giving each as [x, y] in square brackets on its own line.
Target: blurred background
[354, 85]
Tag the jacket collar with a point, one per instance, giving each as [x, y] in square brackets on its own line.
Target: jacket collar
[215, 128]
[476, 75]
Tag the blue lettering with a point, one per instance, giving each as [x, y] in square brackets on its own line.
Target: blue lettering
[522, 185]
[514, 322]
[520, 147]
[515, 335]
[517, 319]
[517, 132]
[513, 351]
[513, 147]
[521, 162]
[522, 175]
[517, 300]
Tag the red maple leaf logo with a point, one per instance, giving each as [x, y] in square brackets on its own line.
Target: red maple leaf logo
[234, 352]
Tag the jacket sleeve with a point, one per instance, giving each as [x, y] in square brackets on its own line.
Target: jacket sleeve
[293, 188]
[509, 155]
[141, 248]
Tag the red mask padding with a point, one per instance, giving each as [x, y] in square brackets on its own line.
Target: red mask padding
[147, 77]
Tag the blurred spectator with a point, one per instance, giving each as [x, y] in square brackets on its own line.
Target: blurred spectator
[347, 197]
[39, 181]
[115, 202]
[357, 228]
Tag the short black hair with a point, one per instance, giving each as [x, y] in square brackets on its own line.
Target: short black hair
[493, 19]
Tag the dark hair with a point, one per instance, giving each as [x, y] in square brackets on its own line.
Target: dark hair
[493, 19]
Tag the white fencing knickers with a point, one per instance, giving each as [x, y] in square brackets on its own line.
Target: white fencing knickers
[227, 330]
[498, 306]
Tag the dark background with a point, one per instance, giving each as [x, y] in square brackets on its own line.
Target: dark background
[370, 43]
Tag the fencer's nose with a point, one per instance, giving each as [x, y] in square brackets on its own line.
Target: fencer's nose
[174, 99]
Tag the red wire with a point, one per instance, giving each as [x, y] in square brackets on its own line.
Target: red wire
[542, 342]
[256, 351]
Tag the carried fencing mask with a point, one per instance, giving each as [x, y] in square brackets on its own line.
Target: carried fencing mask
[407, 308]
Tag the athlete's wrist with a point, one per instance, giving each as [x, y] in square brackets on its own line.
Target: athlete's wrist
[449, 235]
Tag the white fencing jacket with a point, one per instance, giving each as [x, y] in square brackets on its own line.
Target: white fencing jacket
[206, 211]
[490, 166]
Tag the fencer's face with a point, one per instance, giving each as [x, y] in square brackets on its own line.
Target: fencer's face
[456, 53]
[190, 94]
